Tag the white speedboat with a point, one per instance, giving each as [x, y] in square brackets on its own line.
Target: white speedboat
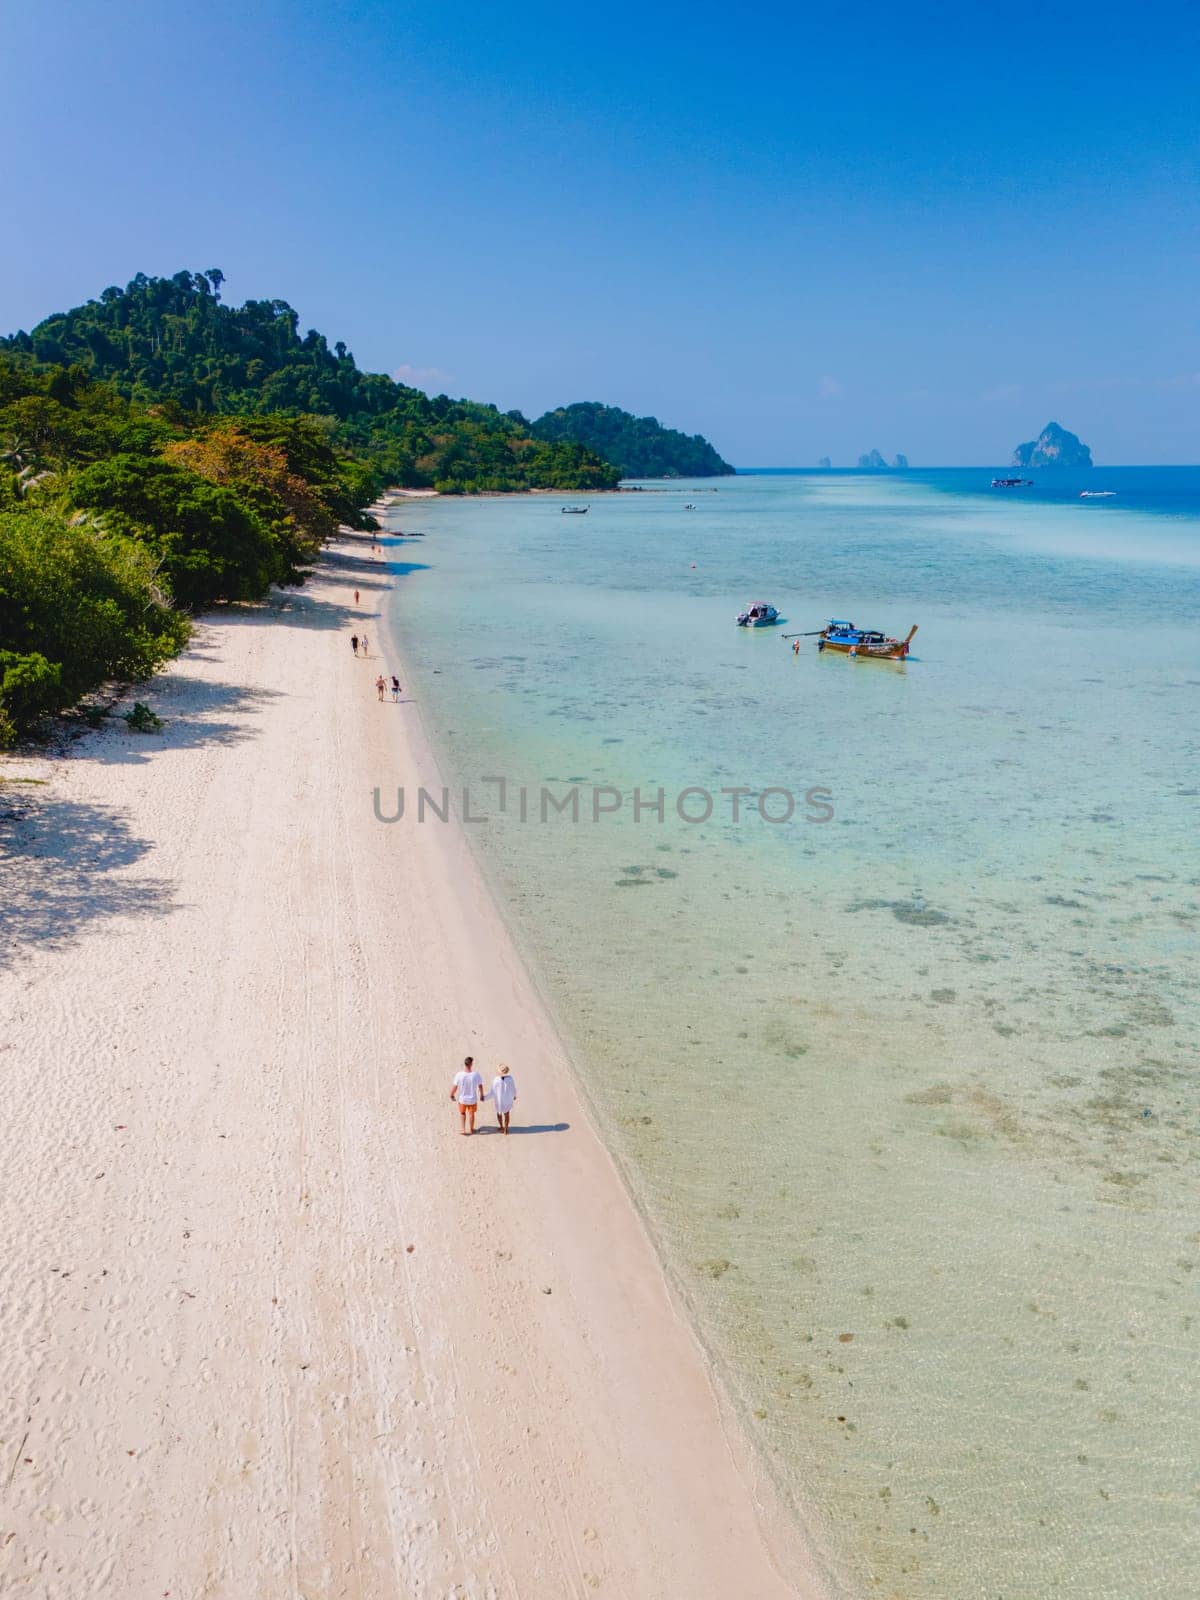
[759, 615]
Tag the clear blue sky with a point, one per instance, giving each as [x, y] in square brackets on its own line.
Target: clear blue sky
[801, 231]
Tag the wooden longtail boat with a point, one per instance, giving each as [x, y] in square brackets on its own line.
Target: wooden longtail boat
[848, 640]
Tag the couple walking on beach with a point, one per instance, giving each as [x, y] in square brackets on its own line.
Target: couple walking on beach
[468, 1090]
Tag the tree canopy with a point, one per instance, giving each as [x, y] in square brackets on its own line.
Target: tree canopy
[116, 519]
[640, 446]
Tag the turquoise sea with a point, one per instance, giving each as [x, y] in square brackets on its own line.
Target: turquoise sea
[910, 1096]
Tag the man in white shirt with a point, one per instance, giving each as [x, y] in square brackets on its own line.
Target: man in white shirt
[468, 1091]
[504, 1093]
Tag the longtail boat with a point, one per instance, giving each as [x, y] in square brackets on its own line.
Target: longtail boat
[851, 641]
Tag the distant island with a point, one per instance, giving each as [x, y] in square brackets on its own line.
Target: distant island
[1054, 447]
[875, 462]
[640, 447]
[824, 462]
[900, 463]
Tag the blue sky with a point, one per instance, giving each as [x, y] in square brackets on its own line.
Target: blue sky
[801, 231]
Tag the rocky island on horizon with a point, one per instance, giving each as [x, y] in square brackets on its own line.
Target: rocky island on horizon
[1055, 446]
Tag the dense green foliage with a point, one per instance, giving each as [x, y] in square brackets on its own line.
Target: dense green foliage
[173, 341]
[640, 446]
[77, 606]
[115, 517]
[209, 544]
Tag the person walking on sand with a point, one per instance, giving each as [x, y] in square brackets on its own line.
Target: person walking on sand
[467, 1090]
[380, 686]
[366, 651]
[356, 597]
[395, 687]
[503, 1094]
[354, 643]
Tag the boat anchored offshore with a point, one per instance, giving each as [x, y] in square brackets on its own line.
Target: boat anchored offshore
[575, 511]
[759, 615]
[1012, 483]
[848, 640]
[1097, 494]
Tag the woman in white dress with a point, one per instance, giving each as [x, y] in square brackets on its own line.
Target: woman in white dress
[504, 1093]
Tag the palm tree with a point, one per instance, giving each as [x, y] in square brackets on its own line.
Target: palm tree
[21, 457]
[17, 453]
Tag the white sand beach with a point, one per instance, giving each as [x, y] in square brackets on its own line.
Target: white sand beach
[268, 1325]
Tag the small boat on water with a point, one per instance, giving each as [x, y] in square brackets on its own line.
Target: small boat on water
[848, 640]
[1096, 494]
[1012, 483]
[575, 511]
[690, 506]
[759, 615]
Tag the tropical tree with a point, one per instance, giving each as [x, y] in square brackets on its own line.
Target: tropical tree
[210, 546]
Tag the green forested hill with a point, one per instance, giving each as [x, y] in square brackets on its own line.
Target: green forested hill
[640, 446]
[173, 341]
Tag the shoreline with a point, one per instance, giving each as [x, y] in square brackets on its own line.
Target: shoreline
[791, 1544]
[295, 1330]
[398, 497]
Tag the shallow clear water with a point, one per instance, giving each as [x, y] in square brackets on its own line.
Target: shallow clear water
[923, 1074]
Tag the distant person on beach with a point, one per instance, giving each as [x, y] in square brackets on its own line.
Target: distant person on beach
[380, 685]
[395, 687]
[356, 597]
[504, 1095]
[354, 643]
[467, 1090]
[366, 652]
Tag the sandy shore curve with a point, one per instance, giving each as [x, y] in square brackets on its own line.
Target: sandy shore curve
[268, 1326]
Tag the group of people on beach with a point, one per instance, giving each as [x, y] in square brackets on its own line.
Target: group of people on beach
[382, 684]
[468, 1091]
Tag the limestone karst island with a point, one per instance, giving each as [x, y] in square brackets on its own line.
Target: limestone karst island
[1055, 446]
